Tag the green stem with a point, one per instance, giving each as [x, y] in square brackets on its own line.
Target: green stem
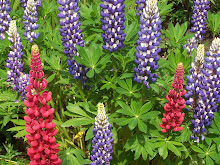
[59, 119]
[81, 91]
[61, 109]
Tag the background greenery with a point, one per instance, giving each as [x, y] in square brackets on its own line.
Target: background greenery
[133, 111]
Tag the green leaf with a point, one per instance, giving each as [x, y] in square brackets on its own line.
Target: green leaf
[75, 122]
[138, 152]
[197, 149]
[123, 121]
[150, 115]
[126, 109]
[63, 81]
[76, 109]
[90, 73]
[209, 161]
[18, 128]
[172, 148]
[89, 134]
[49, 79]
[18, 121]
[142, 126]
[132, 124]
[144, 154]
[145, 108]
[21, 133]
[163, 151]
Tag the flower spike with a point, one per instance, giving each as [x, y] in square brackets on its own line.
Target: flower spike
[148, 44]
[208, 93]
[113, 19]
[39, 124]
[31, 17]
[199, 17]
[16, 77]
[4, 17]
[173, 116]
[102, 141]
[71, 35]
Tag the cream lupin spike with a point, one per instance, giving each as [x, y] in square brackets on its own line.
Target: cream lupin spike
[101, 111]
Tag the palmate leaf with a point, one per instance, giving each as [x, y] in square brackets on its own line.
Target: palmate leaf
[141, 145]
[136, 115]
[127, 89]
[81, 116]
[72, 156]
[208, 153]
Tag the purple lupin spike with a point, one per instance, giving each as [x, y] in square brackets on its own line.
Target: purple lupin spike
[148, 44]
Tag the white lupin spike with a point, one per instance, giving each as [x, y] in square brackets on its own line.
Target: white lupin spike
[12, 30]
[30, 3]
[200, 54]
[151, 8]
[215, 46]
[101, 111]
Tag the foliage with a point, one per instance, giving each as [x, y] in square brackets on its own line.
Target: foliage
[214, 23]
[133, 111]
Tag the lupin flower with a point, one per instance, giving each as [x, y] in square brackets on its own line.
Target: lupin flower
[14, 61]
[113, 19]
[71, 36]
[30, 18]
[4, 17]
[199, 17]
[24, 3]
[173, 116]
[208, 93]
[141, 4]
[191, 44]
[102, 141]
[148, 42]
[16, 77]
[23, 82]
[194, 79]
[39, 124]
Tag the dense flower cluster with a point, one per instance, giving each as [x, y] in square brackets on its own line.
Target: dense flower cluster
[71, 36]
[140, 5]
[199, 17]
[102, 141]
[191, 44]
[39, 124]
[173, 116]
[17, 79]
[113, 19]
[23, 82]
[24, 3]
[195, 77]
[148, 42]
[30, 17]
[208, 92]
[4, 17]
